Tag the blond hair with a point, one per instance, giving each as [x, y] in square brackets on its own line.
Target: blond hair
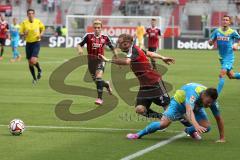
[97, 21]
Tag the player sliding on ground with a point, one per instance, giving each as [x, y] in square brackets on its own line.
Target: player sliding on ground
[191, 101]
[152, 89]
[95, 47]
[225, 37]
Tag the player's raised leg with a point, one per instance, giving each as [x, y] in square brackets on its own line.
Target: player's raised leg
[233, 75]
[221, 80]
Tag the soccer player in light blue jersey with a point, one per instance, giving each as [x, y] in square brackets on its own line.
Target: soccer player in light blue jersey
[190, 102]
[15, 37]
[225, 37]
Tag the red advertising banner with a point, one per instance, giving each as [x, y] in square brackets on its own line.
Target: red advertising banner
[116, 31]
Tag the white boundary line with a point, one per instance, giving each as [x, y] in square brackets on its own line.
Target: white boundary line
[151, 148]
[42, 62]
[88, 128]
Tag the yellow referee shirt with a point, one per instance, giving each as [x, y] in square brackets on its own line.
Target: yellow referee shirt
[32, 29]
[140, 31]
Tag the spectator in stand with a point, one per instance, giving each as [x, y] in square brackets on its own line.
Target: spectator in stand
[51, 5]
[44, 5]
[29, 4]
[58, 31]
[17, 2]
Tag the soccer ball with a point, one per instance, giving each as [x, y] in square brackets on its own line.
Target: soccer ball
[16, 127]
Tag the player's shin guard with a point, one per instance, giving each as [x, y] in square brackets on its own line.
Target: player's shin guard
[237, 75]
[151, 128]
[31, 68]
[99, 83]
[37, 65]
[15, 53]
[185, 122]
[220, 84]
[1, 53]
[191, 130]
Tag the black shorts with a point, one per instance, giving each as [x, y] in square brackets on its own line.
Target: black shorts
[32, 49]
[152, 49]
[2, 41]
[153, 94]
[95, 65]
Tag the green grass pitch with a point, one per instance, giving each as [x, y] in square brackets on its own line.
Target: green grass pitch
[36, 107]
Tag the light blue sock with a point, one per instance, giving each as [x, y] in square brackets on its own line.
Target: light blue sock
[15, 53]
[151, 128]
[191, 130]
[237, 75]
[220, 85]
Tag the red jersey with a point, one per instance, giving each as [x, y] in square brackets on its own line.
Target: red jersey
[3, 29]
[153, 37]
[95, 45]
[142, 68]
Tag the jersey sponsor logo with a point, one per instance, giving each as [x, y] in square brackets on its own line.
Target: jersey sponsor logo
[96, 45]
[152, 34]
[223, 38]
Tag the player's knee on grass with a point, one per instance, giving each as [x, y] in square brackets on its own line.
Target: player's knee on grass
[140, 109]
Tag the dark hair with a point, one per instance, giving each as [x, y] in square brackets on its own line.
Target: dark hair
[230, 18]
[154, 19]
[29, 10]
[212, 92]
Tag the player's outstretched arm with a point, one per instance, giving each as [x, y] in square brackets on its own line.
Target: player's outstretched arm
[192, 119]
[167, 60]
[114, 50]
[79, 49]
[220, 124]
[118, 61]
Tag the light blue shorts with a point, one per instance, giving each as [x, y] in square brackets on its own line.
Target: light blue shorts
[227, 64]
[175, 112]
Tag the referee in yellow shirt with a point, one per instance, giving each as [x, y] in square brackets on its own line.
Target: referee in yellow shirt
[32, 30]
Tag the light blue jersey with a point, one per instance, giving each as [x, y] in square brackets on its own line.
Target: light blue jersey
[225, 41]
[14, 32]
[15, 37]
[189, 94]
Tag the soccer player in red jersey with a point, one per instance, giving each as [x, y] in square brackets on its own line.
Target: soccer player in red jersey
[3, 34]
[95, 46]
[152, 88]
[153, 34]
